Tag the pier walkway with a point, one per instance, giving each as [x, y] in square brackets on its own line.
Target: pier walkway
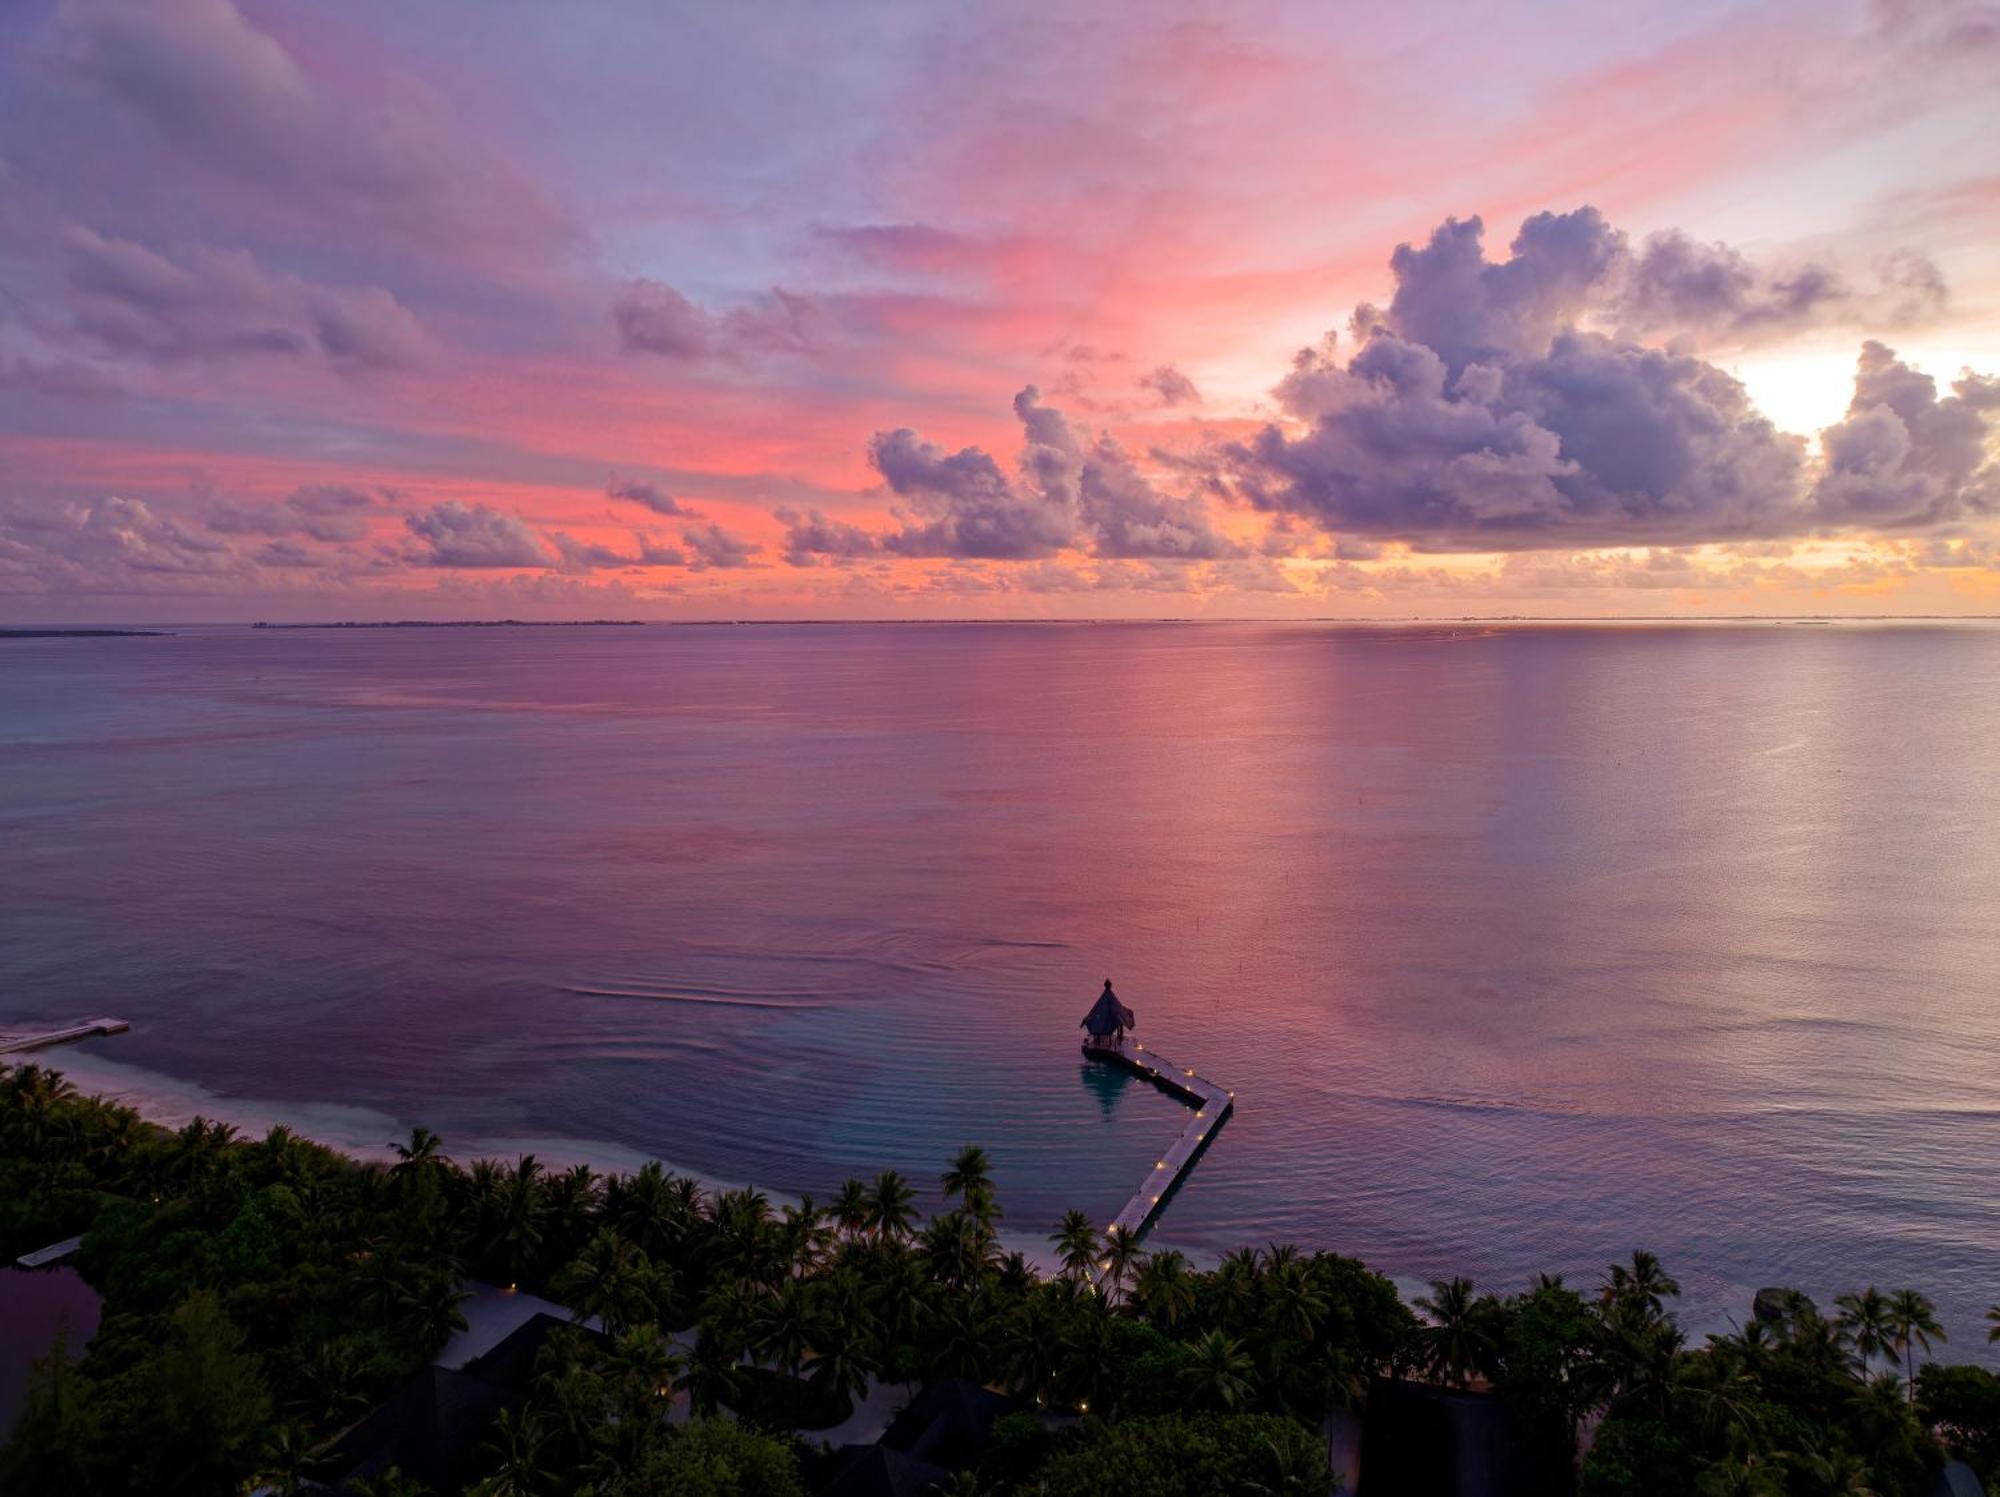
[12, 1040]
[1211, 1104]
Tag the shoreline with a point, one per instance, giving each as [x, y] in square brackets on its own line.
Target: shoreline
[172, 1102]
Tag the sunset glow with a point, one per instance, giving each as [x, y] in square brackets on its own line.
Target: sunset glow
[316, 312]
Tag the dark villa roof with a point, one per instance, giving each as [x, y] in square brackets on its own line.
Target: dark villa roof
[428, 1428]
[877, 1471]
[1108, 1014]
[433, 1425]
[943, 1430]
[1421, 1441]
[949, 1422]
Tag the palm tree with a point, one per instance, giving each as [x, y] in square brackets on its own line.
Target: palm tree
[1217, 1373]
[1075, 1243]
[1458, 1343]
[282, 1462]
[892, 1206]
[713, 1376]
[1122, 1258]
[608, 1279]
[802, 1237]
[1642, 1289]
[850, 1209]
[334, 1383]
[1013, 1272]
[961, 1337]
[518, 1231]
[645, 1366]
[1032, 1346]
[1865, 1321]
[787, 1326]
[36, 1094]
[1993, 1319]
[642, 1207]
[845, 1362]
[520, 1442]
[1164, 1289]
[1238, 1282]
[428, 1309]
[970, 1170]
[958, 1249]
[1913, 1321]
[425, 1148]
[1293, 1302]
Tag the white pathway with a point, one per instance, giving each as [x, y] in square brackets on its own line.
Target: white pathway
[1211, 1104]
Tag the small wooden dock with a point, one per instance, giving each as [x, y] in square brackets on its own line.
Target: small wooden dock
[1211, 1104]
[13, 1040]
[55, 1252]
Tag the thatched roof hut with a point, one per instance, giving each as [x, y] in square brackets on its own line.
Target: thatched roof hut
[1108, 1018]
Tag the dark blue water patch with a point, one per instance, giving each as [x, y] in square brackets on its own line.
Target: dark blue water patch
[38, 1308]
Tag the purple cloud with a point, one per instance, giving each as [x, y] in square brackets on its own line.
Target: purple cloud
[712, 546]
[471, 535]
[1171, 386]
[217, 304]
[321, 511]
[652, 318]
[1904, 457]
[1071, 492]
[811, 538]
[1479, 413]
[651, 495]
[108, 545]
[232, 99]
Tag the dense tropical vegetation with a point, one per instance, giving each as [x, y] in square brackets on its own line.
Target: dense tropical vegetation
[259, 1295]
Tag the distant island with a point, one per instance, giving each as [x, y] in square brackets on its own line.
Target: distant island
[466, 624]
[82, 633]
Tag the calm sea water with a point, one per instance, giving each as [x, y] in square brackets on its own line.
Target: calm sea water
[1522, 947]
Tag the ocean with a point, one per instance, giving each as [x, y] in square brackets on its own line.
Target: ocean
[1521, 946]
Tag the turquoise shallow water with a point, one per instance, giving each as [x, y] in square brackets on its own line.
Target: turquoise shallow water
[1522, 947]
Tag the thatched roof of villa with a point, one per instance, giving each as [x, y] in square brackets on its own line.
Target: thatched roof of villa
[1108, 1014]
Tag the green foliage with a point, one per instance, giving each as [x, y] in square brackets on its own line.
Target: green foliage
[1963, 1405]
[1204, 1456]
[261, 1294]
[713, 1458]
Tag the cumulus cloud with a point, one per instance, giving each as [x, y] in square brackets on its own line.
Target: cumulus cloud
[1071, 490]
[220, 304]
[1483, 412]
[711, 546]
[651, 495]
[575, 557]
[1905, 457]
[472, 535]
[811, 538]
[654, 318]
[657, 553]
[107, 545]
[961, 504]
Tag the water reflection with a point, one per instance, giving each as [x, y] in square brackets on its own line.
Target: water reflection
[1106, 1083]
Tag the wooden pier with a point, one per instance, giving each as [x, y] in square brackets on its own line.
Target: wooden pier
[1211, 1104]
[13, 1040]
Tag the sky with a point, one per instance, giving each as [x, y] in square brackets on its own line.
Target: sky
[493, 308]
